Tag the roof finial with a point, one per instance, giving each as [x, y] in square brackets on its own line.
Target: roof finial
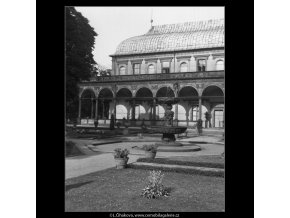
[151, 17]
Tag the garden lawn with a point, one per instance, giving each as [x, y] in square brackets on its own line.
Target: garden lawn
[119, 191]
[212, 161]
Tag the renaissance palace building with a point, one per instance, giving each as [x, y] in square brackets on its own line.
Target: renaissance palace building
[184, 61]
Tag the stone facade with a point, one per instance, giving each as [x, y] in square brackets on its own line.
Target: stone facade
[184, 61]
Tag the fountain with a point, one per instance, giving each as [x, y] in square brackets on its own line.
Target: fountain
[168, 130]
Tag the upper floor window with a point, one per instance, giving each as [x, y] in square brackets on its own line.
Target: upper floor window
[122, 70]
[201, 64]
[151, 69]
[136, 68]
[165, 67]
[183, 67]
[220, 65]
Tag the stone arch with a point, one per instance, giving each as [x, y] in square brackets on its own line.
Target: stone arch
[143, 92]
[188, 91]
[106, 91]
[88, 99]
[87, 89]
[124, 92]
[218, 88]
[165, 91]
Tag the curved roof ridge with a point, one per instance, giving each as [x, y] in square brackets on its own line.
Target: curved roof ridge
[191, 26]
[180, 36]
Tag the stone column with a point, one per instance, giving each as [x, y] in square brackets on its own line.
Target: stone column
[103, 106]
[199, 108]
[139, 109]
[154, 111]
[213, 118]
[191, 112]
[210, 66]
[96, 111]
[130, 70]
[176, 66]
[158, 111]
[80, 110]
[143, 67]
[113, 67]
[92, 108]
[224, 117]
[128, 111]
[116, 68]
[176, 112]
[192, 64]
[133, 109]
[115, 107]
[172, 66]
[158, 66]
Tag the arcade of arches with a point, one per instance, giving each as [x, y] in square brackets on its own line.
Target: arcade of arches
[144, 104]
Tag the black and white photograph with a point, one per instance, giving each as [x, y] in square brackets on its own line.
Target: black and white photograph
[145, 109]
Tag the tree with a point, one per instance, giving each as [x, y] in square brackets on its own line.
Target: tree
[79, 44]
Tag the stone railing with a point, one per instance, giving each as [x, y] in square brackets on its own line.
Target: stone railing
[169, 76]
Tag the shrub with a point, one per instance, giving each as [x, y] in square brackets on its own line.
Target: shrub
[121, 153]
[152, 148]
[155, 188]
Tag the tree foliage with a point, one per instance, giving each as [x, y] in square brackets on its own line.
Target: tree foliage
[79, 44]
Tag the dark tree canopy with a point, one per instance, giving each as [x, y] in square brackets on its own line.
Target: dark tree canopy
[79, 45]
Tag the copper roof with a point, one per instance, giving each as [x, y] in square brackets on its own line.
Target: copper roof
[181, 36]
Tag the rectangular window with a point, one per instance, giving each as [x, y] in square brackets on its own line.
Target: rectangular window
[201, 65]
[218, 118]
[165, 70]
[136, 68]
[165, 67]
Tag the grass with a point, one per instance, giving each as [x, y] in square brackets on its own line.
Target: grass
[198, 161]
[179, 170]
[120, 191]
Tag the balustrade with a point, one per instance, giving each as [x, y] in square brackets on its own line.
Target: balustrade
[170, 76]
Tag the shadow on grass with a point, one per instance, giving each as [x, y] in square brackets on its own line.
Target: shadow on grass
[69, 187]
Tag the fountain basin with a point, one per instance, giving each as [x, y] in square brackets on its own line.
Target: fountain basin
[168, 137]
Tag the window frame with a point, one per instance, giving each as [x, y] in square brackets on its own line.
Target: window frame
[154, 70]
[139, 69]
[197, 65]
[120, 70]
[216, 64]
[183, 62]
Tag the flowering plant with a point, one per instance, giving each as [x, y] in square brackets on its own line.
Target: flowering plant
[155, 188]
[121, 153]
[152, 148]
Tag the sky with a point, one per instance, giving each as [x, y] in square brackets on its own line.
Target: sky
[115, 24]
